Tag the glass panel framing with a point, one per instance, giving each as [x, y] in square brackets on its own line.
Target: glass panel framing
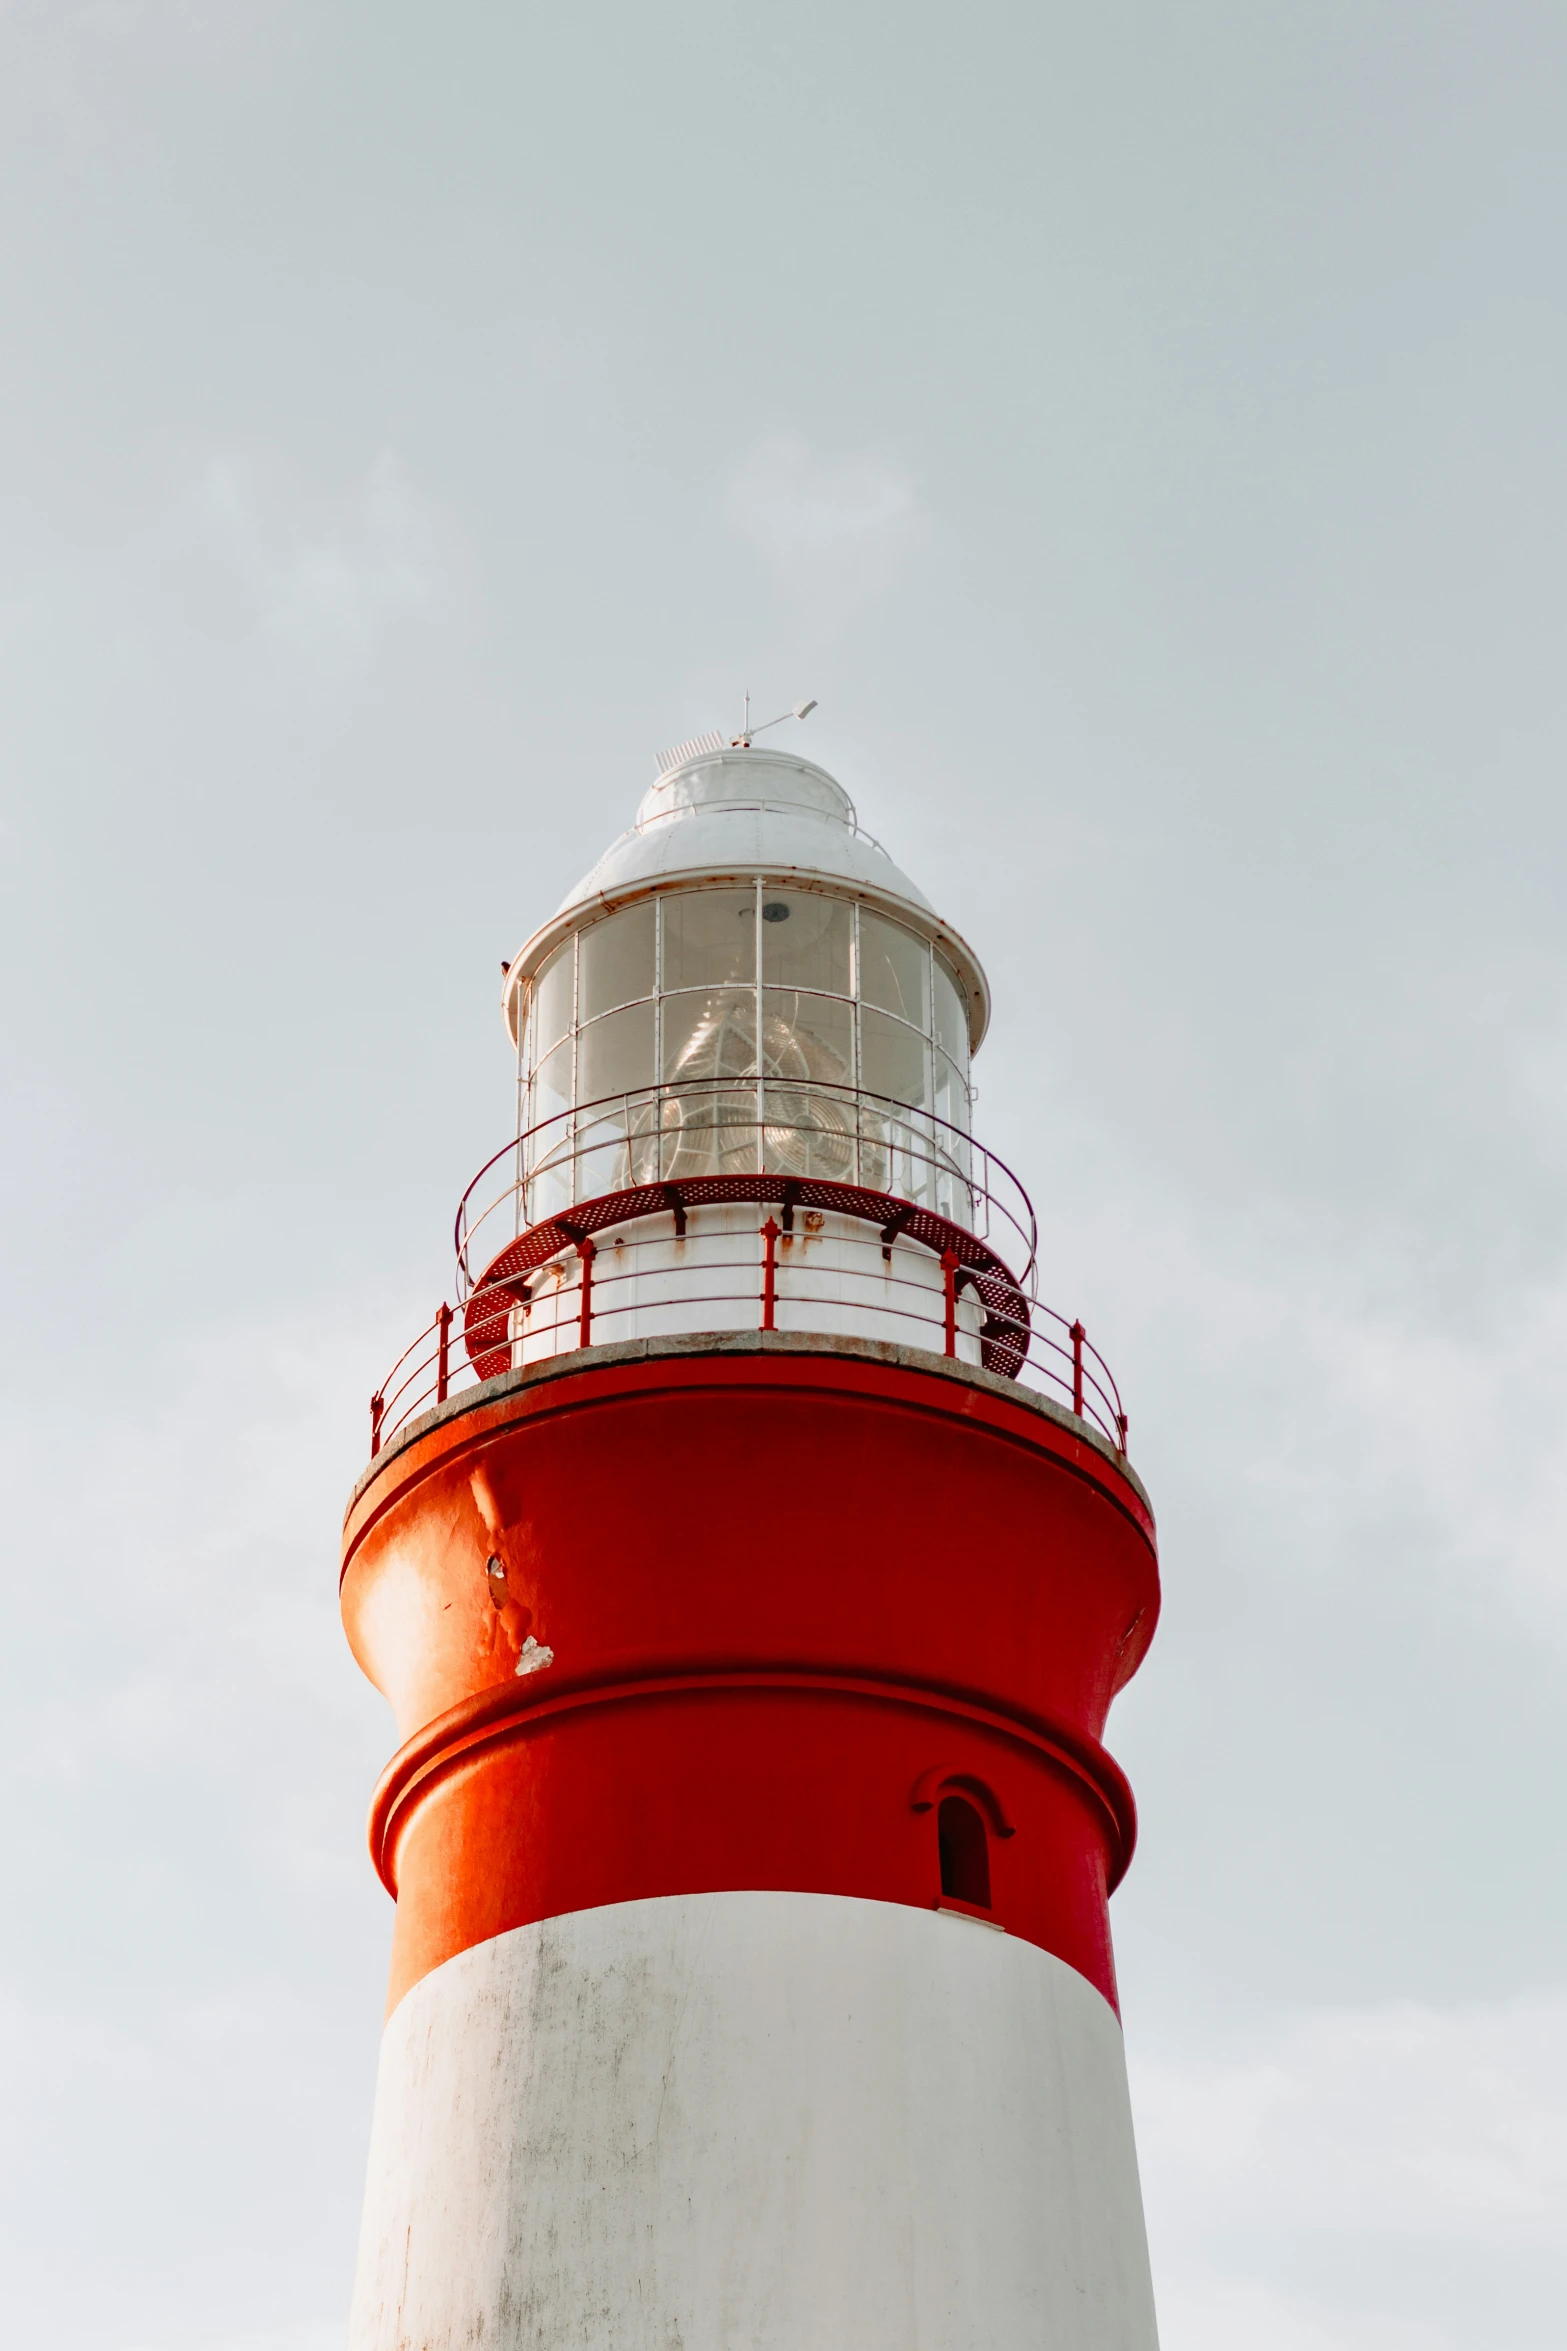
[617, 961]
[894, 970]
[807, 941]
[808, 1051]
[661, 1005]
[894, 1058]
[708, 1034]
[552, 1002]
[951, 1022]
[615, 1053]
[707, 938]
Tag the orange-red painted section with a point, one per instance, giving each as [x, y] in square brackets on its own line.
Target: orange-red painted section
[789, 1596]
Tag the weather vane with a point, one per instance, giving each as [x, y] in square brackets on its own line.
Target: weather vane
[742, 741]
[699, 746]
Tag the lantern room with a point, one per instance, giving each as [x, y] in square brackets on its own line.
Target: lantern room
[743, 1066]
[738, 986]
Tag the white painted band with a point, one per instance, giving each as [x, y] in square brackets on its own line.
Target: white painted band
[753, 2122]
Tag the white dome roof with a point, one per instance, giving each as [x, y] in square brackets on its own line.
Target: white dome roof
[732, 814]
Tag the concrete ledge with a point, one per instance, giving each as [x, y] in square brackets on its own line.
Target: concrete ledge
[679, 1343]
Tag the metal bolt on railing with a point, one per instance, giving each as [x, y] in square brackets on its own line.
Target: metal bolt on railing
[586, 1251]
[769, 1273]
[950, 1262]
[443, 1353]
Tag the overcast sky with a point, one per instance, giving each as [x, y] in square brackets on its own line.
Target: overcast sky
[1142, 428]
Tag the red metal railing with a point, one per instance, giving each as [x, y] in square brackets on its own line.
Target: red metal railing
[893, 1269]
[713, 1129]
[1057, 1358]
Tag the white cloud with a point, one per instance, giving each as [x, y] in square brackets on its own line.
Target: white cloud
[71, 71]
[832, 532]
[1257, 1348]
[313, 2335]
[210, 1742]
[1402, 2117]
[1240, 2315]
[1399, 2140]
[328, 583]
[325, 2334]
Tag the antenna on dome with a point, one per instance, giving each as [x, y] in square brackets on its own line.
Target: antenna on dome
[743, 741]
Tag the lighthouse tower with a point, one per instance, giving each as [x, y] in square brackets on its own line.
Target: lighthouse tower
[750, 1555]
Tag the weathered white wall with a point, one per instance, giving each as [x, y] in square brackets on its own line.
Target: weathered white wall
[753, 2122]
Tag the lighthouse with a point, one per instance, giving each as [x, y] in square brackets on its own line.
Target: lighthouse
[750, 1553]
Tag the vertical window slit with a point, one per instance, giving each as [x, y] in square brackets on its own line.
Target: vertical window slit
[965, 1852]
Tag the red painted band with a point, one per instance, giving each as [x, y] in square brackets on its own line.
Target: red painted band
[789, 1592]
[505, 1713]
[781, 1360]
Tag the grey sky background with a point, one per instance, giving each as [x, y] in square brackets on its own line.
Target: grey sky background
[1143, 429]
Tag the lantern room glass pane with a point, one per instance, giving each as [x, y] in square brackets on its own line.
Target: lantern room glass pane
[616, 964]
[951, 1092]
[894, 969]
[617, 1141]
[707, 1126]
[551, 1090]
[709, 937]
[553, 1007]
[951, 1016]
[615, 1054]
[951, 1159]
[950, 1190]
[707, 1131]
[807, 1039]
[809, 1118]
[709, 1037]
[807, 941]
[892, 1059]
[550, 1147]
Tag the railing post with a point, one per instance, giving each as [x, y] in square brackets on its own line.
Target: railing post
[1078, 1336]
[950, 1262]
[769, 1273]
[443, 1353]
[377, 1410]
[587, 1253]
